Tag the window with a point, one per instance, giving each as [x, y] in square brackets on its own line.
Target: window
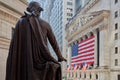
[116, 1]
[84, 75]
[116, 36]
[116, 50]
[86, 36]
[119, 77]
[81, 39]
[96, 76]
[69, 14]
[69, 3]
[116, 62]
[70, 9]
[91, 34]
[68, 19]
[90, 76]
[116, 14]
[116, 26]
[80, 75]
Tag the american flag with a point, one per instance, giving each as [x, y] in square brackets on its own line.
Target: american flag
[68, 68]
[84, 66]
[75, 67]
[83, 52]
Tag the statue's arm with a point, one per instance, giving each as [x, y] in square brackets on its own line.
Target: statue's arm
[54, 44]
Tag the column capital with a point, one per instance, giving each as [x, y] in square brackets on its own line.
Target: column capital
[95, 31]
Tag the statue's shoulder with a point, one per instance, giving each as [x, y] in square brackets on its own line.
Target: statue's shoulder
[22, 21]
[44, 23]
[23, 18]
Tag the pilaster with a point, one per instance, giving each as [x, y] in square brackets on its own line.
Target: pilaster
[95, 49]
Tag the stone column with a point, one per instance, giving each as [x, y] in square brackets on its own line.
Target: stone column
[93, 75]
[69, 60]
[104, 75]
[104, 55]
[69, 55]
[95, 49]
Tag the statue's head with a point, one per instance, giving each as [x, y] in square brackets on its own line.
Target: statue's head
[35, 8]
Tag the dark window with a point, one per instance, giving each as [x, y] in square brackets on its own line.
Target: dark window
[91, 34]
[116, 26]
[90, 76]
[96, 76]
[116, 14]
[116, 1]
[118, 77]
[116, 50]
[81, 39]
[68, 19]
[86, 36]
[69, 3]
[91, 66]
[80, 75]
[69, 14]
[116, 62]
[70, 9]
[84, 75]
[116, 36]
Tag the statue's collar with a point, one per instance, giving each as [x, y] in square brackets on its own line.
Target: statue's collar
[27, 13]
[30, 13]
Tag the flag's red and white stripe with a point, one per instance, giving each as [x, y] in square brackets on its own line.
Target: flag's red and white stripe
[85, 52]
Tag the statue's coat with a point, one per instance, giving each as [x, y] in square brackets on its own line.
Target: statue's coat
[29, 57]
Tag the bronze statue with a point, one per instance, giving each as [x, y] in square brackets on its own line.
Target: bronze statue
[29, 57]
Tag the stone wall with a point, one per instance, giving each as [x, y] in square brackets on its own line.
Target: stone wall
[10, 12]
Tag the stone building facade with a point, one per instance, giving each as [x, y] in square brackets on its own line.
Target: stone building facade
[100, 18]
[10, 12]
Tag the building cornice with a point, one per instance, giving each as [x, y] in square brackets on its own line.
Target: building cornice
[24, 1]
[10, 8]
[115, 70]
[84, 22]
[84, 10]
[89, 5]
[8, 17]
